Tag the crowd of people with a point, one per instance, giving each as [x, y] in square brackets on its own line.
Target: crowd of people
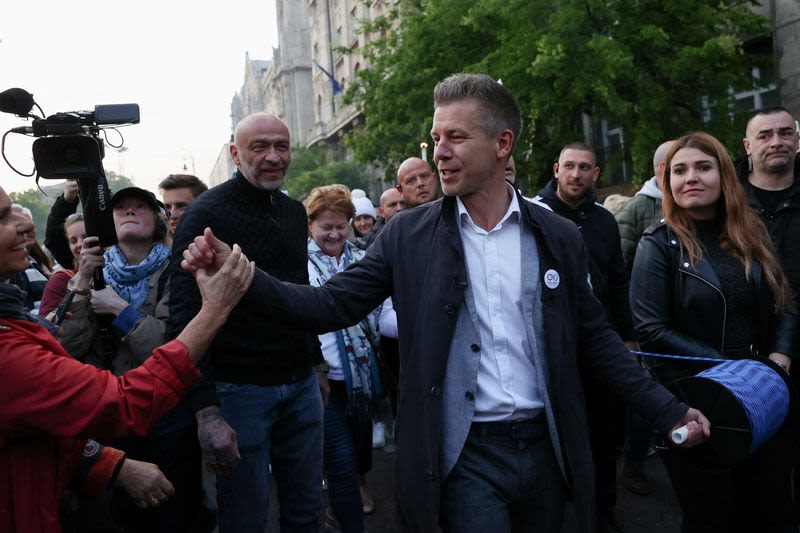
[505, 336]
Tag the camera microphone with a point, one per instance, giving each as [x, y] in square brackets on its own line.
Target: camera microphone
[17, 101]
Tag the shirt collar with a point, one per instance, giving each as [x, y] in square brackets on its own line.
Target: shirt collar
[512, 213]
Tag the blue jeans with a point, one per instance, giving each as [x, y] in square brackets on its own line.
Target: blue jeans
[344, 437]
[503, 484]
[281, 425]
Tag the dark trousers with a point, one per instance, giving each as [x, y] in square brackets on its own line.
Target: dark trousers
[343, 440]
[502, 483]
[389, 365]
[605, 415]
[754, 496]
[178, 456]
[638, 436]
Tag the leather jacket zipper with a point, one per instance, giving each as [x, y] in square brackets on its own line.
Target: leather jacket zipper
[724, 305]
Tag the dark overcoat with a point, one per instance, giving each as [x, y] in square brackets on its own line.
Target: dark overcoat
[419, 259]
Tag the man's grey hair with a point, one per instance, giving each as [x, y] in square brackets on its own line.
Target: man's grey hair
[501, 111]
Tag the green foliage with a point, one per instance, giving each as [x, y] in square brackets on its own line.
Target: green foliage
[395, 94]
[304, 160]
[117, 182]
[310, 169]
[657, 69]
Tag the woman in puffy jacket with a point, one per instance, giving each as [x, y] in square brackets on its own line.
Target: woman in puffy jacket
[707, 283]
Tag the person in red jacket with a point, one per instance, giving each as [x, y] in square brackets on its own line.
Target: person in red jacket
[50, 403]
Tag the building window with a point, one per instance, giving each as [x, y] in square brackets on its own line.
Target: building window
[353, 24]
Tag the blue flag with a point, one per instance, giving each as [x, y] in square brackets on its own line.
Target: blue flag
[337, 88]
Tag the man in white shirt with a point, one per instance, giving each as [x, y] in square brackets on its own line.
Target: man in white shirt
[494, 309]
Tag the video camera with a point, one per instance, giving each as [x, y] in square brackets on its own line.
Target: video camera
[68, 146]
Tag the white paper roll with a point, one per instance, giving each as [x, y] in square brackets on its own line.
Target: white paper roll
[680, 435]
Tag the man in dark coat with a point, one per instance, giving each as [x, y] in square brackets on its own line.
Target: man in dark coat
[494, 310]
[771, 176]
[261, 405]
[571, 194]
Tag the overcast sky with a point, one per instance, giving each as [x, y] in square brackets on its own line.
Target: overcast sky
[181, 61]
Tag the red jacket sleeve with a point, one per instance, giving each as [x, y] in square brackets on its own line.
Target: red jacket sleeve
[98, 467]
[44, 391]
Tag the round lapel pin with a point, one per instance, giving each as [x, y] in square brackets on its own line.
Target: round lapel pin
[551, 279]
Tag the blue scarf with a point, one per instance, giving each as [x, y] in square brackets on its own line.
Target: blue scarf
[130, 281]
[357, 344]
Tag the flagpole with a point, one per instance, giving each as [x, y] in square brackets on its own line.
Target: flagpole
[330, 51]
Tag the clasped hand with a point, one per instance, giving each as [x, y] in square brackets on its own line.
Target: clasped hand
[698, 426]
[206, 251]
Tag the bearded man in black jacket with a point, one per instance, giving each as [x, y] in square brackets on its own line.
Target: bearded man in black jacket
[262, 403]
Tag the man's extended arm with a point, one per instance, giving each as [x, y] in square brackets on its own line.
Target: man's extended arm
[343, 301]
[608, 358]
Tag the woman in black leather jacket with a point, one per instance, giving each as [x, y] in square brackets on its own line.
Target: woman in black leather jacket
[706, 283]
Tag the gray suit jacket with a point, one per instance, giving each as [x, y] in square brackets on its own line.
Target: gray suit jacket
[419, 260]
[462, 364]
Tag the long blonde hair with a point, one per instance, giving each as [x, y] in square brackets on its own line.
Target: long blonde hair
[744, 235]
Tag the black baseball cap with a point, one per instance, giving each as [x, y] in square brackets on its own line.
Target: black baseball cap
[137, 192]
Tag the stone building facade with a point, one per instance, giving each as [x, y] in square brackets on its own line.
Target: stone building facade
[281, 86]
[296, 84]
[786, 42]
[334, 25]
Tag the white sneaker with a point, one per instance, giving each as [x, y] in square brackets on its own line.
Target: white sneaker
[378, 435]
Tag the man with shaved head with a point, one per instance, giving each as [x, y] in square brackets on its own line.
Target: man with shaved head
[416, 182]
[392, 202]
[644, 209]
[770, 176]
[261, 403]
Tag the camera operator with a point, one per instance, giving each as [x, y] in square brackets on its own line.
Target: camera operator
[134, 301]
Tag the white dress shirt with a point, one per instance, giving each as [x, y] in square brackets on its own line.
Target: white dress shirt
[387, 323]
[507, 387]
